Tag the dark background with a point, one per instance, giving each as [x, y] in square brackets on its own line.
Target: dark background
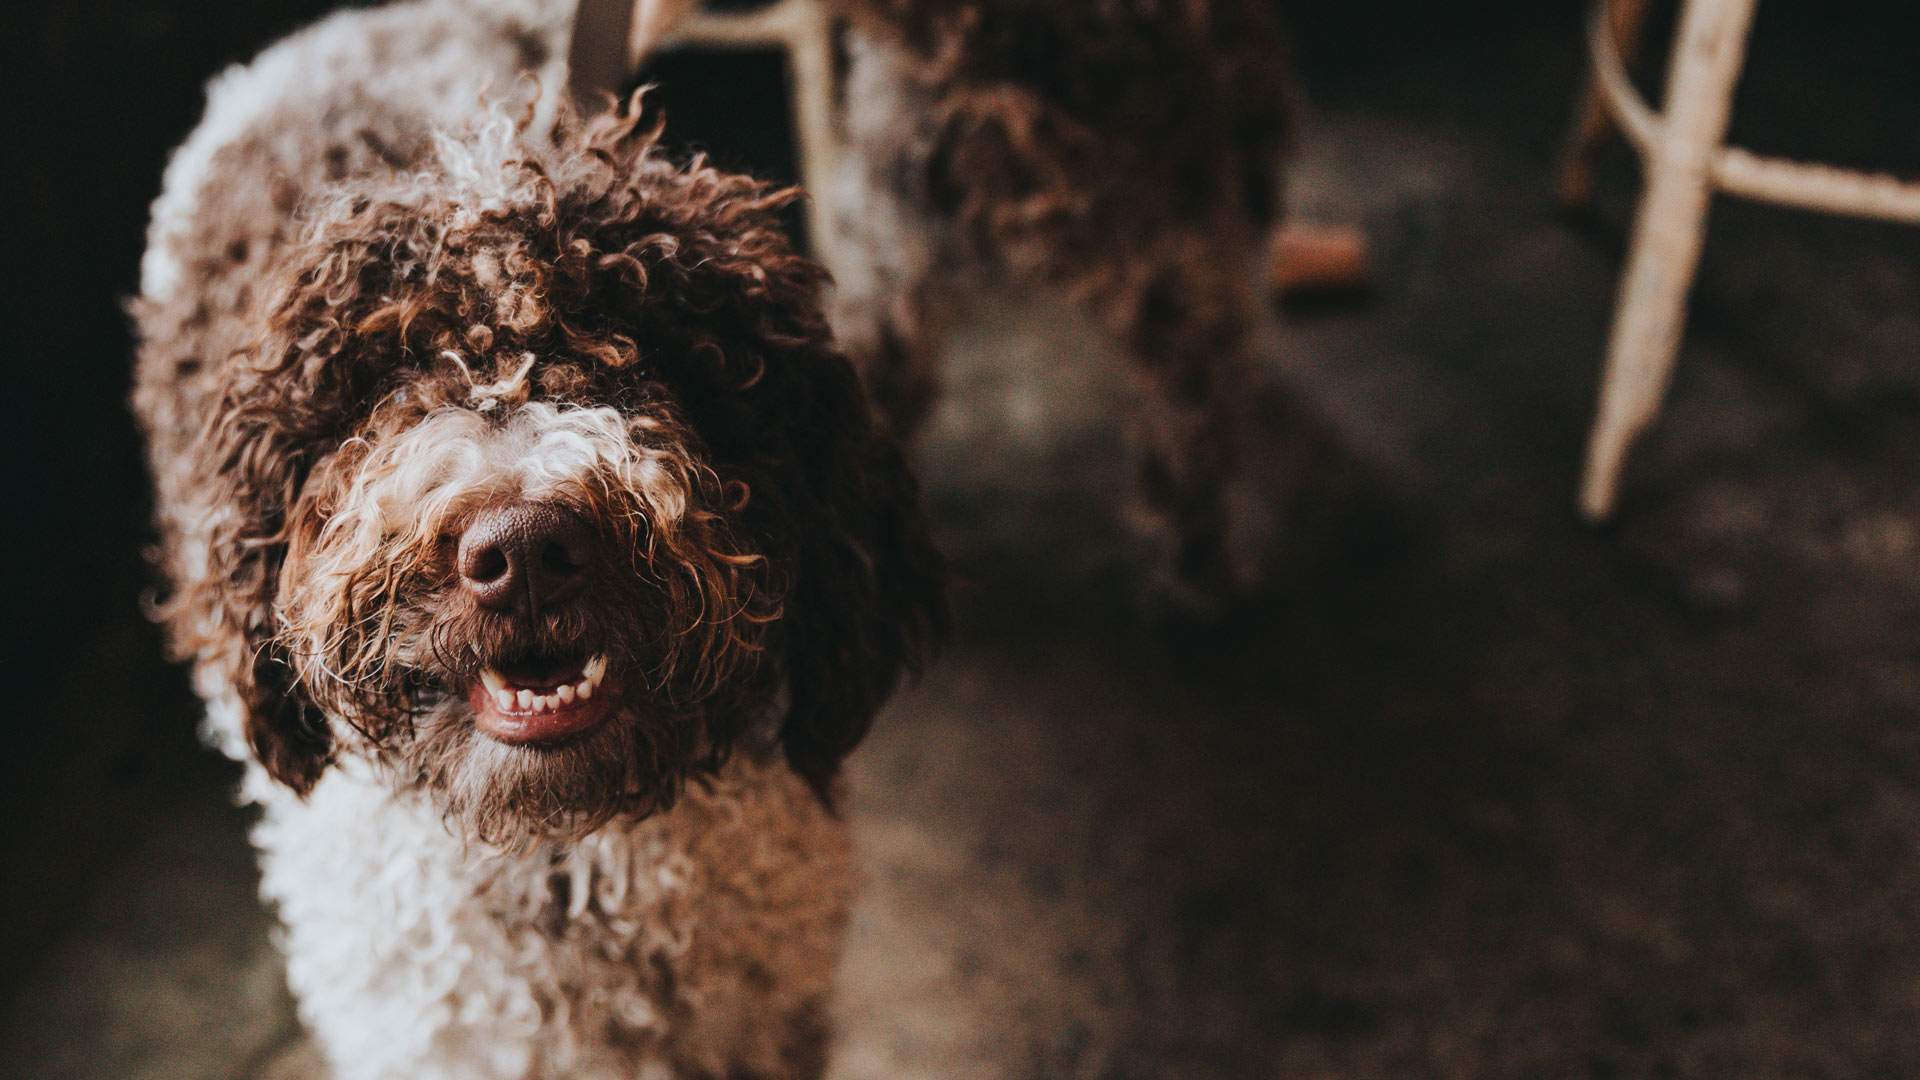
[1479, 792]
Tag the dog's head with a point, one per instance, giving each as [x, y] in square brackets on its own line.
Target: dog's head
[545, 484]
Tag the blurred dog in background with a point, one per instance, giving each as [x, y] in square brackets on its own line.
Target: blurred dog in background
[1123, 156]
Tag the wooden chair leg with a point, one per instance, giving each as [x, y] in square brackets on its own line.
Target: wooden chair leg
[804, 31]
[810, 56]
[1593, 125]
[597, 58]
[1667, 234]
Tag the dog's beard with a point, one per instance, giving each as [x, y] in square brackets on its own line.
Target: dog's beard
[514, 796]
[419, 719]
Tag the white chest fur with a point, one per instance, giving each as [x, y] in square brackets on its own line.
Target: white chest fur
[699, 940]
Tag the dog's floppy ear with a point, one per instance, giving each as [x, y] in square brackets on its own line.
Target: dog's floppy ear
[266, 413]
[222, 612]
[867, 599]
[287, 733]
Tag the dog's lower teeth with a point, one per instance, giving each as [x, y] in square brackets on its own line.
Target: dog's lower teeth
[516, 699]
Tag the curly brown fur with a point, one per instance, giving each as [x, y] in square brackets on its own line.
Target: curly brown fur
[1126, 153]
[648, 319]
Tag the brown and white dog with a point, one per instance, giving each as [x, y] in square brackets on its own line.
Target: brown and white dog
[532, 544]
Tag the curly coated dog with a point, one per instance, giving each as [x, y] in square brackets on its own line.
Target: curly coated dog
[1123, 154]
[533, 545]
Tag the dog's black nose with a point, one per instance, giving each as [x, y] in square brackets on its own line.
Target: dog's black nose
[526, 557]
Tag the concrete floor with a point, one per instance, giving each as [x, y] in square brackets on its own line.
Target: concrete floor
[1479, 793]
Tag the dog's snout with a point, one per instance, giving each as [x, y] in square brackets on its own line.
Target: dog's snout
[525, 557]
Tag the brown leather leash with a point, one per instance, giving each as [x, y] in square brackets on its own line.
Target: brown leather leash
[597, 55]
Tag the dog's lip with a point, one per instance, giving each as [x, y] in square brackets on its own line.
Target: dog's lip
[552, 702]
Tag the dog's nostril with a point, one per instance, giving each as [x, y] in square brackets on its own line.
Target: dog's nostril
[524, 556]
[485, 564]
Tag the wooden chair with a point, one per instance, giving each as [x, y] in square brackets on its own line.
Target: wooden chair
[798, 27]
[1686, 160]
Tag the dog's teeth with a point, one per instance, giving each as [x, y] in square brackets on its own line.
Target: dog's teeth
[584, 689]
[503, 698]
[526, 699]
[493, 680]
[545, 703]
[596, 669]
[565, 694]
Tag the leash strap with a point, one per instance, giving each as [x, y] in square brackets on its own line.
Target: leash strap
[597, 56]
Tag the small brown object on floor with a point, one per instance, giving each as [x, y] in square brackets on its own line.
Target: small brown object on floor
[1308, 257]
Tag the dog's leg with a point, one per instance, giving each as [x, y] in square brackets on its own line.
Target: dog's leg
[1187, 333]
[897, 352]
[887, 313]
[889, 241]
[809, 1039]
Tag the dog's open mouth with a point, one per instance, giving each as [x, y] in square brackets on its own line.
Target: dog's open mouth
[541, 698]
